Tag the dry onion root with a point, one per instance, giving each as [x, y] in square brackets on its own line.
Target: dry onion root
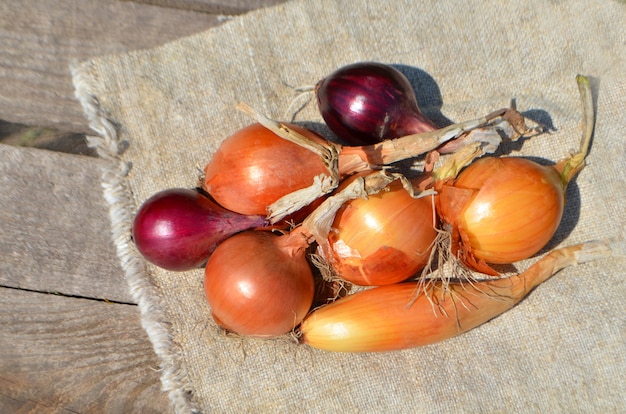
[390, 318]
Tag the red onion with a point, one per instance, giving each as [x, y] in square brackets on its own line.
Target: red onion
[178, 229]
[368, 102]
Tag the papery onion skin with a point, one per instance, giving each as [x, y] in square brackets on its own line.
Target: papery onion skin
[254, 167]
[178, 228]
[505, 209]
[383, 239]
[389, 318]
[259, 284]
[367, 102]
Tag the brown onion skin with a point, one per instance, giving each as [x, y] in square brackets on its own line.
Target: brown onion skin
[389, 235]
[254, 167]
[258, 284]
[503, 209]
[367, 102]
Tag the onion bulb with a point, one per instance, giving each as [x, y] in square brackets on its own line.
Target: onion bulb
[383, 239]
[502, 210]
[178, 229]
[259, 284]
[388, 318]
[254, 167]
[368, 102]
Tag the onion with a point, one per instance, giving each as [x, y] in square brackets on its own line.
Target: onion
[254, 167]
[502, 210]
[383, 239]
[368, 102]
[391, 317]
[178, 229]
[259, 284]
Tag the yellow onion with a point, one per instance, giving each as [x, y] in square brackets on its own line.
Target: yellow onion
[258, 283]
[392, 317]
[383, 239]
[503, 210]
[254, 167]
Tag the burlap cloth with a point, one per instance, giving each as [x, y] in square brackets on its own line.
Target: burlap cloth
[160, 113]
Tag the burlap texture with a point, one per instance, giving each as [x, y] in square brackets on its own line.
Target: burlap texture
[160, 113]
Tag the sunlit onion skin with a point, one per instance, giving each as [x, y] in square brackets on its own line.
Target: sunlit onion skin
[178, 229]
[259, 284]
[502, 210]
[254, 167]
[383, 239]
[368, 102]
[391, 317]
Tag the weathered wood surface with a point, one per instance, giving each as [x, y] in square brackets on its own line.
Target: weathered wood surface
[70, 335]
[214, 6]
[75, 355]
[40, 38]
[55, 231]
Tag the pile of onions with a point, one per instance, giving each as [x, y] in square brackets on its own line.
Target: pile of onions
[369, 225]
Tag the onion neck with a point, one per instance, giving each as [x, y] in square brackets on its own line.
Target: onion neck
[572, 165]
[552, 263]
[417, 123]
[295, 242]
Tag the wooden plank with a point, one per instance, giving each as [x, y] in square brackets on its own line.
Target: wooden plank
[20, 135]
[54, 226]
[214, 6]
[39, 39]
[60, 354]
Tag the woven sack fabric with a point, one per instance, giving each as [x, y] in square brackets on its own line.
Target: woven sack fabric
[159, 114]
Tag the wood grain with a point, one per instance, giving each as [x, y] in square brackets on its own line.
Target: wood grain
[70, 337]
[214, 6]
[75, 355]
[55, 233]
[39, 39]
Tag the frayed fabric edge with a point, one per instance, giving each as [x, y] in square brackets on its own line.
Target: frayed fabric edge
[118, 196]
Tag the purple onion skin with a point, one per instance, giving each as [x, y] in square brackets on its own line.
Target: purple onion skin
[178, 229]
[365, 103]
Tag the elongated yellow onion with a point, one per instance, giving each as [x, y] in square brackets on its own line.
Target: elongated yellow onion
[386, 318]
